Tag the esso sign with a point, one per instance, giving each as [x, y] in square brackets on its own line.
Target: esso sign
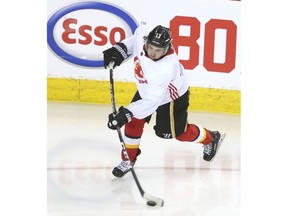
[87, 34]
[210, 53]
[78, 33]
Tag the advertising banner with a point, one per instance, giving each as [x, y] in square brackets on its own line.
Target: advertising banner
[206, 37]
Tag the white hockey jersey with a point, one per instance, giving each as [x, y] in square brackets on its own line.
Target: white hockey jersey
[158, 82]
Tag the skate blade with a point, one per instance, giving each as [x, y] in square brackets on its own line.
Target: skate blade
[219, 145]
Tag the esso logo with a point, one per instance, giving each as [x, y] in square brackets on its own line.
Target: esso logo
[78, 33]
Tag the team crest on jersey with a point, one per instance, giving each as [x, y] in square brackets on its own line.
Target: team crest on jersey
[138, 72]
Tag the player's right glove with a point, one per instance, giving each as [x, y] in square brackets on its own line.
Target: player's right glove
[116, 54]
[122, 117]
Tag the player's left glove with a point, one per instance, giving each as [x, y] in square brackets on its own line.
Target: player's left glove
[116, 54]
[122, 117]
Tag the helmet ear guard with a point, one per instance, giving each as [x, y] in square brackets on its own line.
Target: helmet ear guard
[160, 37]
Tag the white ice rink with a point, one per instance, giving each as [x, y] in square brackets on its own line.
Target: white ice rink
[82, 151]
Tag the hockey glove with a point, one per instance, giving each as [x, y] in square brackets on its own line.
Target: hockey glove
[122, 117]
[116, 54]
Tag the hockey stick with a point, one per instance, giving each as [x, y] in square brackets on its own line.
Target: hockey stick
[151, 200]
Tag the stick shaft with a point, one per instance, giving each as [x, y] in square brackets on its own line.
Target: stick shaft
[146, 196]
[119, 132]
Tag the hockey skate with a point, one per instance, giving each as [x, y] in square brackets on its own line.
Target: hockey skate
[210, 150]
[123, 168]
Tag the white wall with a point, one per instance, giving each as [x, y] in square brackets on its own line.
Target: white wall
[217, 21]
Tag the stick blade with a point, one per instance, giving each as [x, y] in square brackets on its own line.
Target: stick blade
[158, 201]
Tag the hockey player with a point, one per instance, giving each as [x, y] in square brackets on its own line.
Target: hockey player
[162, 87]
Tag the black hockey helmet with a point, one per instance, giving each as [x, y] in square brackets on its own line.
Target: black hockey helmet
[160, 37]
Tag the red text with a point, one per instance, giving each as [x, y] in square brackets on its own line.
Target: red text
[209, 42]
[98, 35]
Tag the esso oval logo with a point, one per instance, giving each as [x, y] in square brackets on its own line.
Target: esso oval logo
[78, 33]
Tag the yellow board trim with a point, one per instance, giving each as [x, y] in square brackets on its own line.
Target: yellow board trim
[95, 91]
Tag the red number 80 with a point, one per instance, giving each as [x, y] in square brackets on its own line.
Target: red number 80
[209, 42]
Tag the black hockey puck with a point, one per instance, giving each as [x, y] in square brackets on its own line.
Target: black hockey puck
[151, 203]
